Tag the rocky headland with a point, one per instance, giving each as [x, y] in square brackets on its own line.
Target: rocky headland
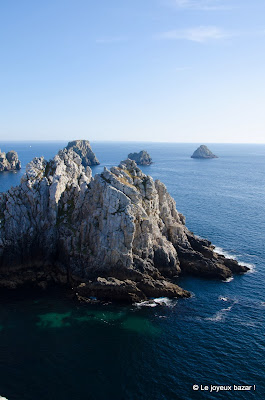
[9, 161]
[203, 152]
[117, 236]
[141, 158]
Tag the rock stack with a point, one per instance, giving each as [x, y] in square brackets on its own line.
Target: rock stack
[9, 161]
[83, 149]
[203, 152]
[141, 158]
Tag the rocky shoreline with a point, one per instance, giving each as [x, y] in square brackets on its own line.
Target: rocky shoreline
[115, 237]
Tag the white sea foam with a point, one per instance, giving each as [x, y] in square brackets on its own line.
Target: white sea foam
[251, 255]
[159, 301]
[147, 303]
[165, 301]
[221, 314]
[227, 280]
[221, 251]
[223, 298]
[3, 398]
[251, 324]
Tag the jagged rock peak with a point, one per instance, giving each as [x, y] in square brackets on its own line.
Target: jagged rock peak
[141, 158]
[9, 161]
[203, 152]
[83, 149]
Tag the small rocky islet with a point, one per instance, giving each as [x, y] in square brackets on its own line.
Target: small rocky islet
[141, 158]
[203, 152]
[116, 236]
[9, 161]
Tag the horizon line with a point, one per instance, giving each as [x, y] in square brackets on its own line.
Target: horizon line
[119, 141]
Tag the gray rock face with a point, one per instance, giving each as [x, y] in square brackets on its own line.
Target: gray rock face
[83, 149]
[141, 158]
[203, 152]
[9, 161]
[117, 236]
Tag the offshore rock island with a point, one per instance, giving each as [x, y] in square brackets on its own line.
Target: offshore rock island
[9, 161]
[117, 236]
[141, 158]
[203, 152]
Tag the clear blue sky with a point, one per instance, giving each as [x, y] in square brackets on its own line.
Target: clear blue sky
[151, 70]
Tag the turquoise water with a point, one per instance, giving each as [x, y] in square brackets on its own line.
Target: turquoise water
[52, 348]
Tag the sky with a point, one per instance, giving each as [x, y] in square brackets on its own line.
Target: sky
[133, 70]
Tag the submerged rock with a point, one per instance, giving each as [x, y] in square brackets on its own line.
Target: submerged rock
[141, 158]
[203, 152]
[83, 149]
[117, 236]
[9, 161]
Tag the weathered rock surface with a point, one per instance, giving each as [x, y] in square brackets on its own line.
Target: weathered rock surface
[83, 149]
[9, 161]
[141, 158]
[203, 152]
[117, 236]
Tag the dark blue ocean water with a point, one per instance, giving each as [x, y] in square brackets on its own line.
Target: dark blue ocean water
[52, 348]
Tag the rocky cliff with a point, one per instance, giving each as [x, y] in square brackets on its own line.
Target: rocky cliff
[83, 149]
[141, 158]
[203, 152]
[9, 161]
[117, 236]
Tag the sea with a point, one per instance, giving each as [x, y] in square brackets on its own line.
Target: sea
[210, 346]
